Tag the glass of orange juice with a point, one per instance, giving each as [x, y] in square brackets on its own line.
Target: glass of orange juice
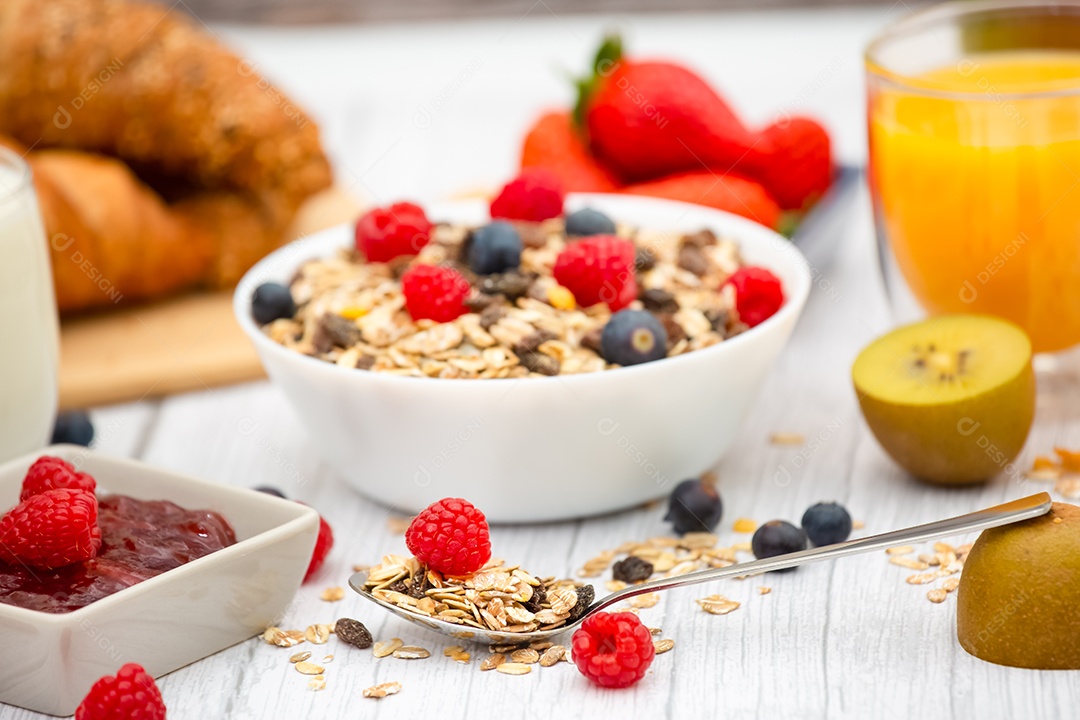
[974, 129]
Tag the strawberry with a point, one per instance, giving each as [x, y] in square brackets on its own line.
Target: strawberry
[51, 529]
[555, 144]
[724, 192]
[793, 159]
[649, 119]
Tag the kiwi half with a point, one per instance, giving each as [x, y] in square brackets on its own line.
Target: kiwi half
[952, 398]
[1017, 600]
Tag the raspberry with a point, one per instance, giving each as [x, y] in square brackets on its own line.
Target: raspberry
[535, 195]
[383, 234]
[598, 269]
[52, 473]
[51, 530]
[450, 536]
[129, 695]
[435, 293]
[323, 545]
[758, 294]
[613, 649]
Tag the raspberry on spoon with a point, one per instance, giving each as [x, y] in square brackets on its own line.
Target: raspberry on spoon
[450, 536]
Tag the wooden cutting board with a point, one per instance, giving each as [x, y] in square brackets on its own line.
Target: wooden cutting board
[188, 342]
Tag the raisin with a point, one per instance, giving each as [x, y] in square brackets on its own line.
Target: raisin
[659, 301]
[591, 340]
[398, 586]
[353, 632]
[480, 302]
[701, 238]
[365, 362]
[492, 315]
[585, 596]
[719, 320]
[675, 331]
[533, 340]
[693, 260]
[632, 570]
[418, 587]
[337, 331]
[644, 260]
[539, 595]
[511, 284]
[538, 362]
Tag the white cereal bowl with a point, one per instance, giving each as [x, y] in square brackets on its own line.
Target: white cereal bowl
[170, 620]
[535, 449]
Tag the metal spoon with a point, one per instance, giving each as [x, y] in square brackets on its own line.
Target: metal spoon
[1010, 512]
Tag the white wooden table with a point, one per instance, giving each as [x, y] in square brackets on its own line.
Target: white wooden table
[425, 111]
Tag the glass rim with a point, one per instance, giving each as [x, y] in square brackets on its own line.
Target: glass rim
[929, 17]
[10, 158]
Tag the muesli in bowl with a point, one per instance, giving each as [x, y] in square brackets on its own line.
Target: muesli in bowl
[551, 447]
[533, 292]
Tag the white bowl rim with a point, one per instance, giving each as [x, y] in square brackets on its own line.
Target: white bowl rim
[240, 547]
[794, 299]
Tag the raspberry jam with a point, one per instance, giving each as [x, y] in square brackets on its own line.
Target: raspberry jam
[139, 539]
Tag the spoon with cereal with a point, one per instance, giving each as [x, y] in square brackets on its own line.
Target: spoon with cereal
[502, 604]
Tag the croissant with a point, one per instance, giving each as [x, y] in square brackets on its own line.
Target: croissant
[161, 159]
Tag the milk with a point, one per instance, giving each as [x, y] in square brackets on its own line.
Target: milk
[29, 335]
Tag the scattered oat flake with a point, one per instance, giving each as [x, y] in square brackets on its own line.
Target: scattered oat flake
[511, 668]
[452, 650]
[785, 438]
[950, 584]
[717, 605]
[1058, 521]
[908, 563]
[398, 525]
[360, 568]
[317, 634]
[645, 601]
[317, 683]
[741, 547]
[386, 647]
[300, 656]
[327, 659]
[1043, 462]
[283, 638]
[493, 661]
[526, 655]
[764, 590]
[382, 690]
[857, 524]
[309, 668]
[411, 652]
[655, 631]
[333, 594]
[922, 579]
[937, 595]
[744, 525]
[900, 550]
[662, 646]
[552, 655]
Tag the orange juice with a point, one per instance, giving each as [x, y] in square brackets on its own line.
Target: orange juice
[975, 173]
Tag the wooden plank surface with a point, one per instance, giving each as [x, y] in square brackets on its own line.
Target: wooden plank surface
[844, 640]
[182, 343]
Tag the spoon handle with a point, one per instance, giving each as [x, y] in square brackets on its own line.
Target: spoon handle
[1010, 512]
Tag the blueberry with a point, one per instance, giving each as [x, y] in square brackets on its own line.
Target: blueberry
[694, 506]
[271, 491]
[73, 427]
[270, 302]
[589, 222]
[633, 336]
[826, 523]
[777, 537]
[494, 248]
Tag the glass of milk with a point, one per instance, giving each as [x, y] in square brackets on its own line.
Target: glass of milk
[29, 333]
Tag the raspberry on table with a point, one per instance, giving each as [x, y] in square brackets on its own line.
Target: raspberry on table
[385, 233]
[323, 545]
[613, 649]
[534, 195]
[435, 293]
[758, 294]
[131, 694]
[53, 473]
[50, 530]
[450, 536]
[598, 269]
